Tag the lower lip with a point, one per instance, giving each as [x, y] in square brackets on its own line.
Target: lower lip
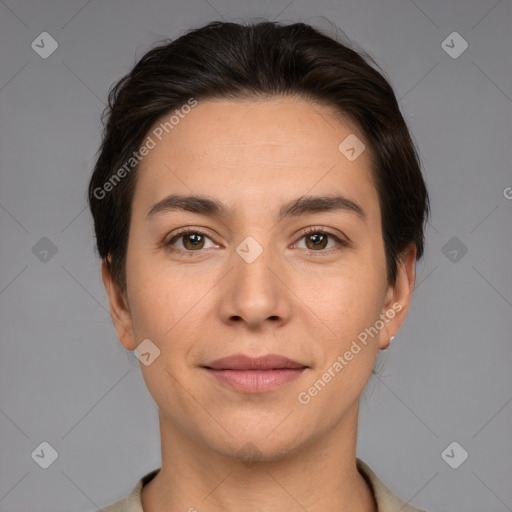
[256, 381]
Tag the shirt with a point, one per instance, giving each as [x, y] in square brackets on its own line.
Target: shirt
[386, 500]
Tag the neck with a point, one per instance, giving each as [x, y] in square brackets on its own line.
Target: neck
[320, 475]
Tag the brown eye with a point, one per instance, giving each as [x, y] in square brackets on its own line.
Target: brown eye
[316, 241]
[192, 241]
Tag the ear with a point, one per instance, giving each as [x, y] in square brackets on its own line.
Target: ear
[398, 296]
[119, 310]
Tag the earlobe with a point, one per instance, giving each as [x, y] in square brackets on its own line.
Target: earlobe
[119, 311]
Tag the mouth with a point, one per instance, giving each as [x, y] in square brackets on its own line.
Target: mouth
[246, 363]
[255, 375]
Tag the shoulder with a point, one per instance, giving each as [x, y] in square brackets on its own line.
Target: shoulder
[118, 506]
[386, 500]
[132, 502]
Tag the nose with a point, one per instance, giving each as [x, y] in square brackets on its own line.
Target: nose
[255, 292]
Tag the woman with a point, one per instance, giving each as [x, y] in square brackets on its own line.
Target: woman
[259, 208]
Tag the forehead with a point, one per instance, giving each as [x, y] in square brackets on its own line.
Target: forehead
[250, 150]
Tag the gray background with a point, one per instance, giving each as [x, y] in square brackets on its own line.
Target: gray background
[65, 378]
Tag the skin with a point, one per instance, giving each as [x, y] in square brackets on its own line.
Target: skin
[253, 156]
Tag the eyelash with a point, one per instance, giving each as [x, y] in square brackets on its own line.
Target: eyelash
[308, 231]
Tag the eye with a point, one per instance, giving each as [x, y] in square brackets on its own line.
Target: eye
[193, 240]
[317, 239]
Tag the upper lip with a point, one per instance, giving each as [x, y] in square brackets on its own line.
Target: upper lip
[243, 362]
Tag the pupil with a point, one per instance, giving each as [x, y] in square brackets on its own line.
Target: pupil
[317, 239]
[197, 238]
[192, 240]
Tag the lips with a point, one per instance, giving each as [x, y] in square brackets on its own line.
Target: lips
[254, 375]
[246, 363]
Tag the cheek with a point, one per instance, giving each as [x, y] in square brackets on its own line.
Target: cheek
[165, 302]
[348, 307]
[352, 296]
[151, 298]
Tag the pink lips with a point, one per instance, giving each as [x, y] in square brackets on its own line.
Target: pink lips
[255, 375]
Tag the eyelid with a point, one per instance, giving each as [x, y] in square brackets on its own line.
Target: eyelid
[341, 240]
[185, 231]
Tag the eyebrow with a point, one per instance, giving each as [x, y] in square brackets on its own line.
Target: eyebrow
[213, 208]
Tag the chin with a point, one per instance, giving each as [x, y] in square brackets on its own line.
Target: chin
[255, 440]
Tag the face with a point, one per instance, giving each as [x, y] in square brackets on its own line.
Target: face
[254, 277]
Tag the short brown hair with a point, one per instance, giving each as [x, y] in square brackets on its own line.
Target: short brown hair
[260, 60]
